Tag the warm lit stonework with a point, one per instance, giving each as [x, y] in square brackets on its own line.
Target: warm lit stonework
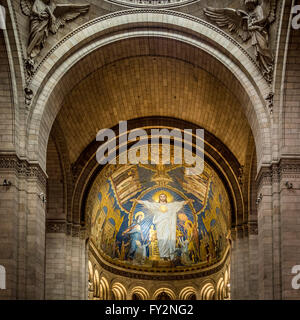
[71, 228]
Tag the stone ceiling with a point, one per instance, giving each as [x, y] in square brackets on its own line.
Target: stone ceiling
[153, 78]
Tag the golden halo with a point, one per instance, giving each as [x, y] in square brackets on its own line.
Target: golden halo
[182, 216]
[155, 197]
[140, 213]
[188, 222]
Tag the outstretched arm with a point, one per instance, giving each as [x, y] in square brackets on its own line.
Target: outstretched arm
[145, 203]
[181, 204]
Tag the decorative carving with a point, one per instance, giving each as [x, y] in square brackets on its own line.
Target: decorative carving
[239, 231]
[28, 96]
[55, 226]
[289, 185]
[42, 196]
[259, 198]
[69, 229]
[23, 168]
[160, 275]
[253, 228]
[162, 12]
[284, 169]
[152, 3]
[46, 16]
[76, 231]
[241, 175]
[251, 24]
[270, 101]
[29, 66]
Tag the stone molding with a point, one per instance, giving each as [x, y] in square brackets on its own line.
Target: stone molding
[244, 230]
[21, 167]
[252, 228]
[285, 168]
[163, 276]
[55, 226]
[62, 226]
[142, 11]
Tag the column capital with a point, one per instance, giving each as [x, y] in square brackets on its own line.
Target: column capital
[22, 167]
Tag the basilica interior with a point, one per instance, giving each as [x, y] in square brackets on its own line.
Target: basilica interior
[72, 228]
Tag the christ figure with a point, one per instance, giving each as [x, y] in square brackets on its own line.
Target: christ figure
[165, 219]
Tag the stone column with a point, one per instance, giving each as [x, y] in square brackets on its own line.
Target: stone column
[55, 282]
[35, 251]
[9, 202]
[66, 262]
[265, 234]
[290, 224]
[253, 261]
[276, 215]
[22, 228]
[233, 266]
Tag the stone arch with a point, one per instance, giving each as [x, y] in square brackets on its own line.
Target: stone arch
[119, 291]
[90, 280]
[104, 289]
[219, 156]
[141, 292]
[220, 289]
[55, 65]
[167, 291]
[186, 292]
[207, 292]
[96, 284]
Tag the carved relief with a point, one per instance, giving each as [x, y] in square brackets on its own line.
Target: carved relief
[152, 3]
[23, 168]
[250, 24]
[270, 101]
[46, 16]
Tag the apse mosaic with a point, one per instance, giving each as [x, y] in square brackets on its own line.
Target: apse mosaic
[155, 215]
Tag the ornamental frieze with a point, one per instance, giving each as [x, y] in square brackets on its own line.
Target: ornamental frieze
[152, 3]
[23, 168]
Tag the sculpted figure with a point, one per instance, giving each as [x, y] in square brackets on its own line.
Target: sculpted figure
[252, 23]
[47, 16]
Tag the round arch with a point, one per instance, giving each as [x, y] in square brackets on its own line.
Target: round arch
[220, 289]
[104, 289]
[207, 292]
[141, 292]
[167, 291]
[187, 292]
[119, 291]
[78, 44]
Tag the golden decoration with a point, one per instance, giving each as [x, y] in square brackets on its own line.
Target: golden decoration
[140, 213]
[182, 217]
[163, 208]
[156, 195]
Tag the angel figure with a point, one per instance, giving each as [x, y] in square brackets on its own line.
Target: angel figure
[45, 16]
[252, 23]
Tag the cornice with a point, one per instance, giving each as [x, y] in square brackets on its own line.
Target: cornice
[285, 168]
[161, 276]
[62, 226]
[21, 167]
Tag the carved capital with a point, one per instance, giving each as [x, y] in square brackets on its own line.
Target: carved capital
[23, 168]
[253, 228]
[55, 226]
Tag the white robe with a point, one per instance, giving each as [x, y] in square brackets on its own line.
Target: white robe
[165, 223]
